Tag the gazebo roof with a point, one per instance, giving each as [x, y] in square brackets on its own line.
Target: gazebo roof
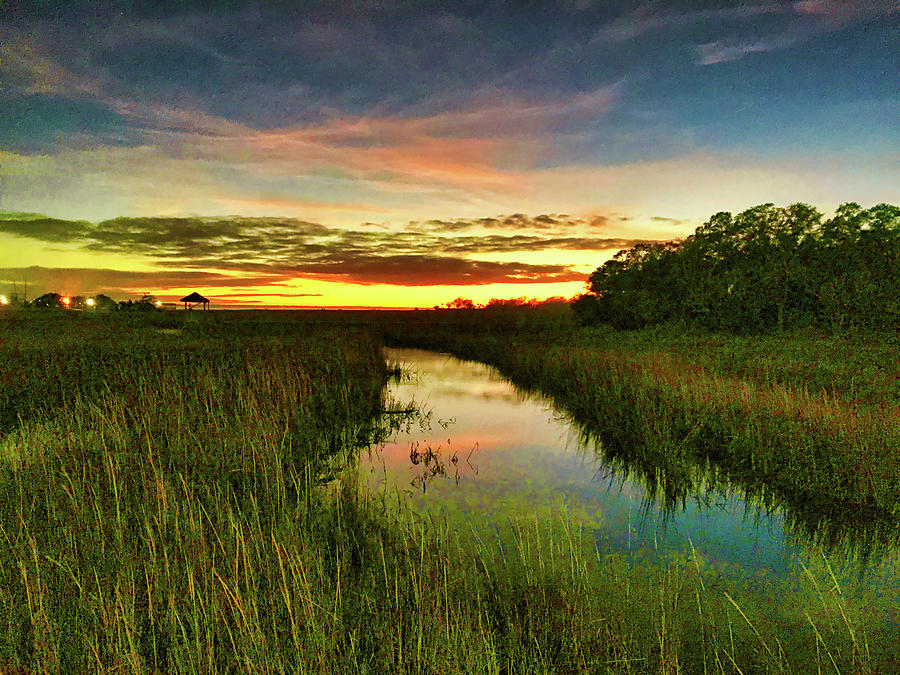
[194, 297]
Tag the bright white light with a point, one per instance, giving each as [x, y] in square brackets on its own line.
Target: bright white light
[89, 302]
[3, 300]
[158, 303]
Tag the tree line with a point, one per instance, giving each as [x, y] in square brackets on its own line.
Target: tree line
[100, 302]
[496, 303]
[767, 268]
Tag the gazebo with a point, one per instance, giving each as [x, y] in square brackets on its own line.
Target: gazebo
[194, 299]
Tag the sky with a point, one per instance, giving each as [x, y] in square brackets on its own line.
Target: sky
[381, 153]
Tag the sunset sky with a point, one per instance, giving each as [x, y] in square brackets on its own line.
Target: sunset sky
[402, 154]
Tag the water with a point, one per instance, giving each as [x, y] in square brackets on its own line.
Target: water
[488, 454]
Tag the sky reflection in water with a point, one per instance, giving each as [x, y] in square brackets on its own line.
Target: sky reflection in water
[517, 456]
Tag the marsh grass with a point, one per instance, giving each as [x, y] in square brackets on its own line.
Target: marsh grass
[191, 506]
[809, 418]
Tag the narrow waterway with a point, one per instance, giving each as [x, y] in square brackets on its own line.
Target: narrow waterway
[485, 453]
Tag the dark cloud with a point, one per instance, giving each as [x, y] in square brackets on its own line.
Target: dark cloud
[504, 244]
[203, 240]
[425, 270]
[402, 270]
[96, 280]
[270, 65]
[50, 230]
[516, 221]
[261, 251]
[546, 221]
[239, 243]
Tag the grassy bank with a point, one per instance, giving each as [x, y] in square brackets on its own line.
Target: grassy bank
[155, 478]
[806, 420]
[176, 499]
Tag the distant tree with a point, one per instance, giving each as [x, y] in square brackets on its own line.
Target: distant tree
[104, 302]
[77, 302]
[461, 303]
[48, 301]
[554, 300]
[146, 303]
[586, 308]
[506, 302]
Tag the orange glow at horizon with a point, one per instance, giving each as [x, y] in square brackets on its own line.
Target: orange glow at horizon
[376, 296]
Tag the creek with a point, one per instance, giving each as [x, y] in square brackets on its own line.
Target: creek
[485, 453]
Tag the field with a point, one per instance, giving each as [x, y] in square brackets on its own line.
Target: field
[179, 496]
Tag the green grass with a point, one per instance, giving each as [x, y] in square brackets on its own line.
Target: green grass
[186, 502]
[804, 419]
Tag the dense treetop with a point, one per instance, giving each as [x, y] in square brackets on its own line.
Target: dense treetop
[766, 268]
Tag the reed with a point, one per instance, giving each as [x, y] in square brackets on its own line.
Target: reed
[773, 413]
[189, 504]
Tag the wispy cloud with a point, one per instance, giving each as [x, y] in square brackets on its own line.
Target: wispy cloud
[290, 205]
[799, 22]
[31, 68]
[839, 12]
[656, 16]
[356, 111]
[482, 146]
[723, 51]
[188, 87]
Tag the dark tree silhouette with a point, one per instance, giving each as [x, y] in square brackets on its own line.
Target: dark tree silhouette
[48, 301]
[461, 303]
[104, 302]
[146, 303]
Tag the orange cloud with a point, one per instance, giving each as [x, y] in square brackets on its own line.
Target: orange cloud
[477, 147]
[405, 157]
[291, 205]
[468, 147]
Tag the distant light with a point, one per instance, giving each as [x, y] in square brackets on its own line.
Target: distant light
[66, 301]
[89, 302]
[3, 300]
[158, 303]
